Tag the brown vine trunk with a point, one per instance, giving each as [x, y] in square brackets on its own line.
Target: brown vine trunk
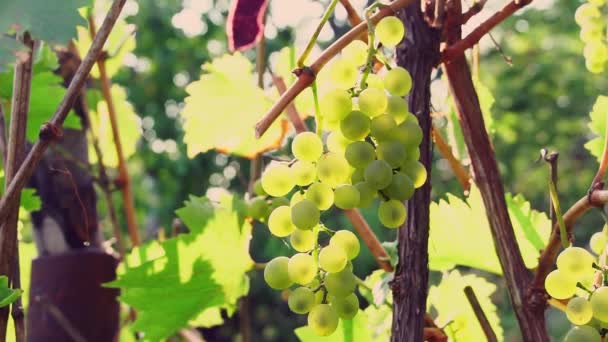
[418, 53]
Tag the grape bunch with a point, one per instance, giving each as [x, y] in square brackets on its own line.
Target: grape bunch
[591, 18]
[369, 150]
[575, 279]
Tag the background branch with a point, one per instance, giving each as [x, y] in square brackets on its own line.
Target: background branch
[481, 316]
[446, 151]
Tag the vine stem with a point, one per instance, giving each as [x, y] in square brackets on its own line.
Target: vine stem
[315, 35]
[558, 214]
[52, 129]
[305, 79]
[123, 173]
[318, 116]
[481, 316]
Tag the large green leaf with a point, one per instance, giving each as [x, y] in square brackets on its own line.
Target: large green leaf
[354, 330]
[456, 224]
[597, 125]
[453, 308]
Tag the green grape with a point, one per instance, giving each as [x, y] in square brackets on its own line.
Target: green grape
[575, 262]
[348, 242]
[373, 102]
[346, 196]
[333, 169]
[321, 194]
[598, 242]
[583, 334]
[401, 187]
[393, 152]
[296, 197]
[276, 274]
[355, 125]
[258, 208]
[279, 222]
[307, 146]
[303, 172]
[302, 268]
[343, 73]
[392, 213]
[397, 108]
[336, 142]
[301, 300]
[323, 319]
[408, 133]
[305, 214]
[277, 180]
[590, 33]
[341, 284]
[586, 13]
[599, 303]
[355, 52]
[416, 171]
[332, 258]
[302, 240]
[579, 311]
[594, 66]
[359, 154]
[378, 174]
[347, 307]
[335, 105]
[598, 3]
[381, 127]
[390, 31]
[319, 297]
[331, 125]
[357, 176]
[398, 81]
[374, 81]
[412, 155]
[258, 189]
[560, 285]
[367, 194]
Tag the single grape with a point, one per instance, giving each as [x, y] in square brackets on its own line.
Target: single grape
[579, 311]
[586, 13]
[279, 222]
[333, 169]
[575, 261]
[343, 73]
[277, 180]
[302, 240]
[258, 189]
[332, 258]
[297, 197]
[374, 81]
[347, 307]
[323, 319]
[321, 194]
[305, 214]
[378, 174]
[346, 196]
[599, 303]
[392, 213]
[276, 274]
[416, 171]
[373, 102]
[335, 105]
[301, 300]
[258, 208]
[583, 334]
[408, 133]
[598, 242]
[359, 154]
[303, 172]
[397, 108]
[355, 125]
[336, 142]
[347, 241]
[390, 31]
[412, 154]
[560, 285]
[357, 176]
[367, 194]
[278, 202]
[341, 284]
[393, 152]
[590, 34]
[302, 268]
[307, 146]
[381, 126]
[355, 52]
[398, 81]
[401, 187]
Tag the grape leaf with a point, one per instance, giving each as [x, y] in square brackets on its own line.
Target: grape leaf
[379, 283]
[453, 307]
[245, 25]
[354, 330]
[7, 295]
[597, 125]
[455, 223]
[223, 107]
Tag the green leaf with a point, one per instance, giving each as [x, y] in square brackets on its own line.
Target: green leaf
[455, 223]
[222, 109]
[208, 318]
[454, 309]
[597, 125]
[7, 295]
[29, 200]
[354, 330]
[380, 292]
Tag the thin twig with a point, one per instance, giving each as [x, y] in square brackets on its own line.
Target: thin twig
[481, 316]
[369, 238]
[291, 111]
[63, 321]
[313, 39]
[446, 151]
[353, 17]
[52, 130]
[123, 172]
[472, 11]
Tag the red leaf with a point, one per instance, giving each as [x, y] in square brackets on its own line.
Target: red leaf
[245, 23]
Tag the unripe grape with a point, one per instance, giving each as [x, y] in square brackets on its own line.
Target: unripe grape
[343, 73]
[401, 187]
[323, 319]
[408, 133]
[367, 194]
[575, 262]
[332, 258]
[276, 274]
[302, 240]
[307, 146]
[393, 152]
[321, 194]
[279, 222]
[373, 102]
[586, 12]
[381, 127]
[301, 300]
[392, 213]
[258, 189]
[346, 196]
[390, 31]
[305, 214]
[258, 208]
[579, 311]
[560, 285]
[348, 242]
[335, 105]
[398, 81]
[296, 197]
[277, 180]
[378, 174]
[599, 303]
[341, 284]
[397, 108]
[347, 307]
[355, 125]
[357, 176]
[302, 268]
[304, 172]
[359, 154]
[336, 142]
[598, 242]
[355, 52]
[416, 171]
[374, 81]
[582, 334]
[333, 169]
